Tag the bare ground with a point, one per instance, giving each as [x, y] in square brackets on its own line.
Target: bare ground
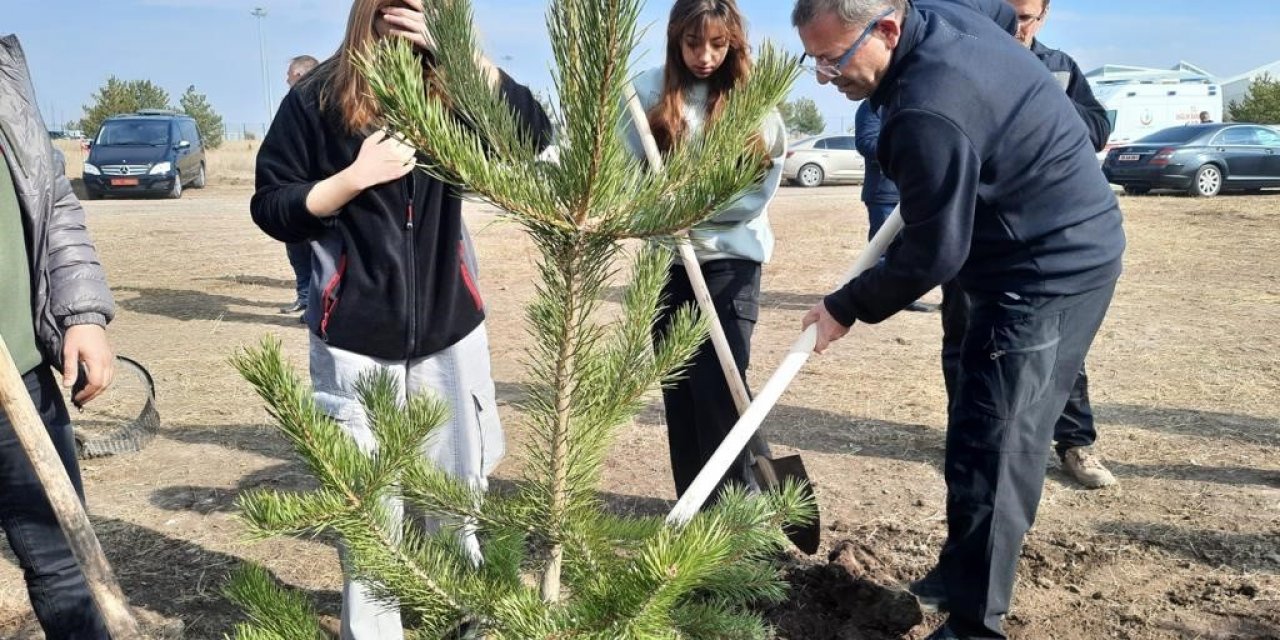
[1185, 380]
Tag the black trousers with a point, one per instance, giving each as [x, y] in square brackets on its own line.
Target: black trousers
[699, 408]
[1019, 359]
[1074, 426]
[55, 585]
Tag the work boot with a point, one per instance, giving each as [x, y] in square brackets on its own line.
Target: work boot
[1086, 467]
[930, 591]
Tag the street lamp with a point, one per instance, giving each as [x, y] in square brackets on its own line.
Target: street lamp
[260, 13]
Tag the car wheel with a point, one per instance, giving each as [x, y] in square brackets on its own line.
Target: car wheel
[200, 180]
[1207, 182]
[176, 191]
[1137, 191]
[810, 175]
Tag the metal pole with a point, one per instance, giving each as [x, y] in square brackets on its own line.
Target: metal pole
[260, 13]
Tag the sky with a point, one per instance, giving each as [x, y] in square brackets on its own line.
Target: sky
[72, 46]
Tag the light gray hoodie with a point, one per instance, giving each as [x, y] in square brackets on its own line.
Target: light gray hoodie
[741, 230]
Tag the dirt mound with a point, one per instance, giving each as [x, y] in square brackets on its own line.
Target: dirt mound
[853, 597]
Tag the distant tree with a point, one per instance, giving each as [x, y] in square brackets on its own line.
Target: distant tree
[197, 106]
[1260, 105]
[802, 116]
[121, 96]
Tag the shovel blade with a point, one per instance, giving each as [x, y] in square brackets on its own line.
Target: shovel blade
[773, 474]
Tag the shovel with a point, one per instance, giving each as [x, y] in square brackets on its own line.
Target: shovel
[34, 438]
[749, 423]
[770, 473]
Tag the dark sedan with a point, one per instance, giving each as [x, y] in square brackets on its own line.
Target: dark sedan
[1200, 159]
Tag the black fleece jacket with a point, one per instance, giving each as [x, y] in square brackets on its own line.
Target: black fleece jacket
[391, 278]
[999, 183]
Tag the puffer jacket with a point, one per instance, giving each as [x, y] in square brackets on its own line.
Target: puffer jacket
[69, 286]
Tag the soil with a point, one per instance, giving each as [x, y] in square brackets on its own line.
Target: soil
[1185, 380]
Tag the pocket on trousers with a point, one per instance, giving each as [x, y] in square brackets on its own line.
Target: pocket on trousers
[493, 446]
[1013, 369]
[748, 310]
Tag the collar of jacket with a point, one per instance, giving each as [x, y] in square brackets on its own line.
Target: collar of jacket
[912, 34]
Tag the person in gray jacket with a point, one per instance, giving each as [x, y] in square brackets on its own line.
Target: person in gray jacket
[707, 54]
[46, 258]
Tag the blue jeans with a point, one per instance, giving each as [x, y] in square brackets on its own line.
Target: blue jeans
[878, 212]
[300, 259]
[55, 584]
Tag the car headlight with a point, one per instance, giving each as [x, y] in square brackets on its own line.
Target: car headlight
[161, 168]
[91, 170]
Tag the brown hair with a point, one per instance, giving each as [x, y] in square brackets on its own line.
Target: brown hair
[666, 118]
[344, 86]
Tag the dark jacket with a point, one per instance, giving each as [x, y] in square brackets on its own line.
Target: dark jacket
[876, 189]
[391, 274]
[69, 285]
[1068, 74]
[999, 183]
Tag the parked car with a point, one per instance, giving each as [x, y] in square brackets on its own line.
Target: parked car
[815, 161]
[1201, 159]
[147, 152]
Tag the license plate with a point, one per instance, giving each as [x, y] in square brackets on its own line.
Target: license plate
[124, 182]
[1129, 157]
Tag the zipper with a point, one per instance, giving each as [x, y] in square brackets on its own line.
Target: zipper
[411, 268]
[1000, 353]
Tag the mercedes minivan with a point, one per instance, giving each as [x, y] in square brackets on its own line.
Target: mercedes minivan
[149, 152]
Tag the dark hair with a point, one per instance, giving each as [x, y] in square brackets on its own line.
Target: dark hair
[666, 118]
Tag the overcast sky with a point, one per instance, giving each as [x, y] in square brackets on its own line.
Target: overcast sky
[213, 44]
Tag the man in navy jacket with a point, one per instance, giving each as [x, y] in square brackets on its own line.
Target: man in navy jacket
[1074, 432]
[1001, 191]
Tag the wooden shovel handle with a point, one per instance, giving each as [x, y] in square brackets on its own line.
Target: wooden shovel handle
[689, 259]
[33, 436]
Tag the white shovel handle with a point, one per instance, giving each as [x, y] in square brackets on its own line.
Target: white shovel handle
[698, 492]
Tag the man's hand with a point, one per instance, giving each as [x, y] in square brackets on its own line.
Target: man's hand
[410, 23]
[829, 329]
[87, 344]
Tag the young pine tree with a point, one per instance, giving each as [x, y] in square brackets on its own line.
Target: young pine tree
[555, 563]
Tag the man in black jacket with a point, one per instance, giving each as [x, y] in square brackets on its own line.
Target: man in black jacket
[1000, 190]
[1074, 432]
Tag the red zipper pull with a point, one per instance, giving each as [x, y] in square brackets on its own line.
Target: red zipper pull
[408, 216]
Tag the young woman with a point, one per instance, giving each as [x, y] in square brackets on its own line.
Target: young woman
[707, 55]
[394, 285]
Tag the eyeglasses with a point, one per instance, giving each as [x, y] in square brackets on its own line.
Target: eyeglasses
[829, 70]
[1026, 19]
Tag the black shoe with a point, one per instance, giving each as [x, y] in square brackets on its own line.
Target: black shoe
[930, 592]
[297, 306]
[922, 307]
[302, 317]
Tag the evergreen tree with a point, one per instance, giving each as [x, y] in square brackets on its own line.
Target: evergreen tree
[121, 96]
[197, 106]
[1261, 105]
[556, 563]
[802, 117]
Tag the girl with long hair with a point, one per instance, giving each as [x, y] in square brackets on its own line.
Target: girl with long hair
[707, 55]
[393, 277]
